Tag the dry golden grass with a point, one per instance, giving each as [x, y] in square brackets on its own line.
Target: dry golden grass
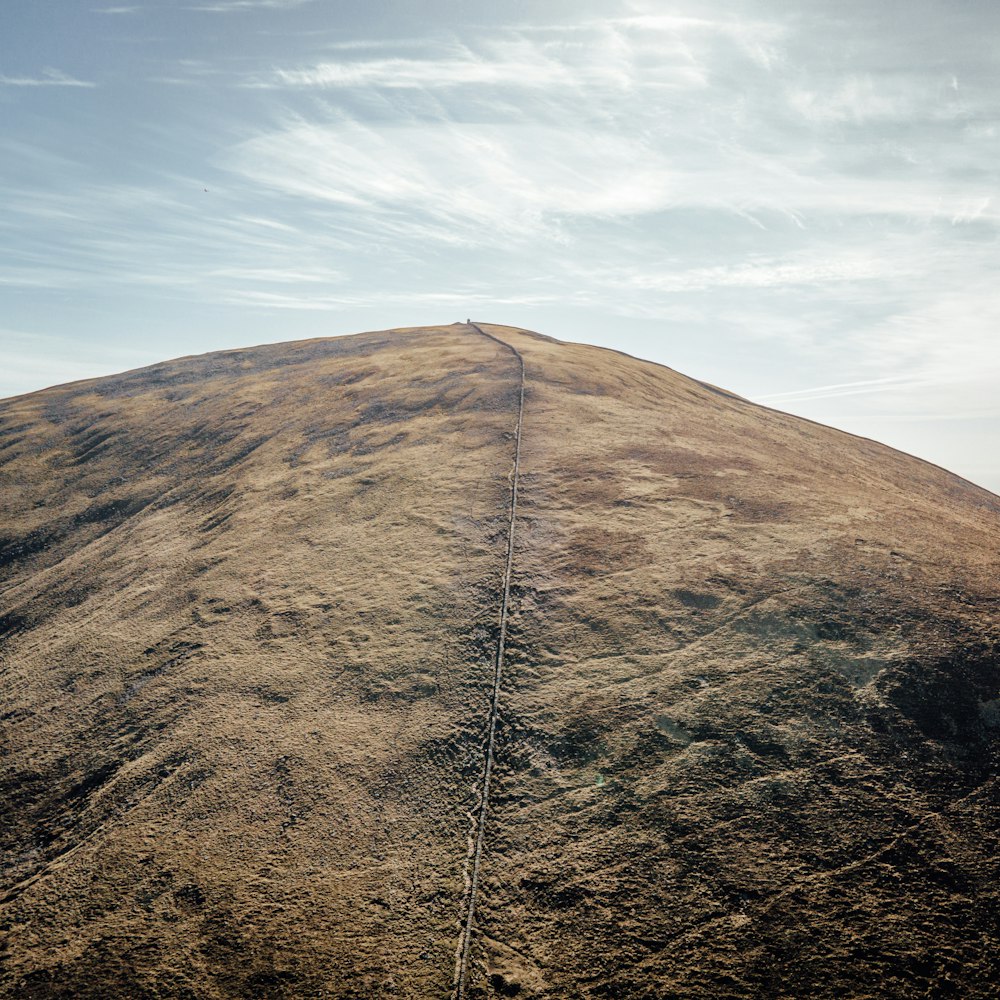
[748, 726]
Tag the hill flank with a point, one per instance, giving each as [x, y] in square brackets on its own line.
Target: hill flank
[746, 729]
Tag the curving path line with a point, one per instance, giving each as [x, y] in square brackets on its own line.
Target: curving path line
[476, 843]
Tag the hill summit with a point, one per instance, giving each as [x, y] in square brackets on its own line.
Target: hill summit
[459, 661]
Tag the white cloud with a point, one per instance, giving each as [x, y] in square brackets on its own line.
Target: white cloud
[971, 209]
[671, 121]
[49, 78]
[235, 6]
[300, 301]
[473, 183]
[412, 73]
[485, 180]
[862, 387]
[811, 269]
[948, 334]
[278, 275]
[866, 97]
[606, 54]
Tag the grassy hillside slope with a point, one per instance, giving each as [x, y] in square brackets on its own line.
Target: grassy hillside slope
[748, 732]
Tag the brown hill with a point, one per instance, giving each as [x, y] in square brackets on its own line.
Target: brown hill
[746, 726]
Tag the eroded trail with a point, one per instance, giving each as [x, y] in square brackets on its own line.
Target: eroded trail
[475, 853]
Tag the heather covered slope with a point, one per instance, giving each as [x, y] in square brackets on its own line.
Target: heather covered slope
[748, 725]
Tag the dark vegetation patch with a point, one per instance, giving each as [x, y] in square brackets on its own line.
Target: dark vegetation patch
[9, 430]
[215, 521]
[12, 623]
[696, 600]
[110, 513]
[93, 781]
[54, 809]
[189, 898]
[347, 377]
[459, 752]
[674, 730]
[15, 550]
[91, 443]
[942, 698]
[578, 742]
[66, 535]
[226, 460]
[754, 510]
[10, 441]
[504, 986]
[594, 551]
[556, 892]
[213, 506]
[407, 688]
[835, 630]
[165, 655]
[269, 696]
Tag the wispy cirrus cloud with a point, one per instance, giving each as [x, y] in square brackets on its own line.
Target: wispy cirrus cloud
[398, 74]
[836, 390]
[189, 73]
[514, 60]
[49, 78]
[162, 241]
[861, 98]
[675, 104]
[236, 6]
[326, 302]
[618, 53]
[803, 269]
[482, 183]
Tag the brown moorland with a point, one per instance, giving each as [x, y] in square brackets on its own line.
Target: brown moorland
[747, 722]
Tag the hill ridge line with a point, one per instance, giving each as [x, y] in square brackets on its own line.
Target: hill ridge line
[475, 854]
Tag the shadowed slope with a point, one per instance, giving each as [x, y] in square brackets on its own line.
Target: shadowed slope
[747, 731]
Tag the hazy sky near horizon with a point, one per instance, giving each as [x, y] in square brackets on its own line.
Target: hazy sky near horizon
[797, 201]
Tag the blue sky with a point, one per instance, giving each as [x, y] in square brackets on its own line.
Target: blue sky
[796, 201]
